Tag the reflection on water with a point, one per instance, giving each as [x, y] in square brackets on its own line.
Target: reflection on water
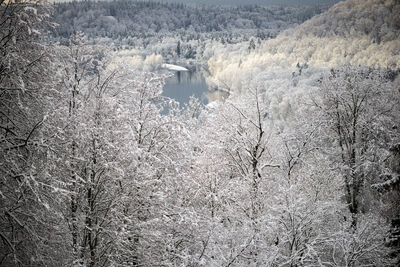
[185, 84]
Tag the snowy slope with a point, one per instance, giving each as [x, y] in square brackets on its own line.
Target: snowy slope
[362, 32]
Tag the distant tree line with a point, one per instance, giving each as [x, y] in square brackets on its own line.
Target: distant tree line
[124, 18]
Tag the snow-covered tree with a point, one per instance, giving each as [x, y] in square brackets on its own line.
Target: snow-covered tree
[28, 226]
[83, 132]
[359, 105]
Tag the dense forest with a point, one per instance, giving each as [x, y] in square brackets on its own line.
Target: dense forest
[298, 166]
[123, 19]
[158, 27]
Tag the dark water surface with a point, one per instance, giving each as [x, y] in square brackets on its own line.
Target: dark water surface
[183, 84]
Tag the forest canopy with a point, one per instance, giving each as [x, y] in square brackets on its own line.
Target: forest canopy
[298, 165]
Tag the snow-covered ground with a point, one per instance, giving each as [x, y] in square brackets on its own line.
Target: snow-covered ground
[173, 67]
